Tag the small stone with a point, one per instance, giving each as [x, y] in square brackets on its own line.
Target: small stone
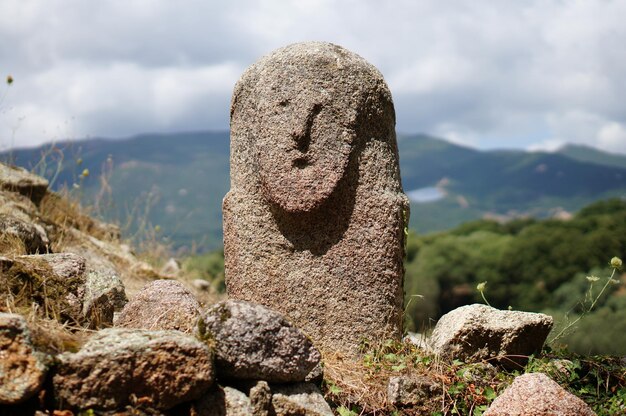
[104, 294]
[299, 399]
[316, 375]
[16, 179]
[201, 284]
[223, 401]
[164, 368]
[162, 304]
[22, 369]
[537, 394]
[261, 399]
[480, 332]
[256, 343]
[409, 391]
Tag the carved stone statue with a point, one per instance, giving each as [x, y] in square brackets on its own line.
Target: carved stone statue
[315, 220]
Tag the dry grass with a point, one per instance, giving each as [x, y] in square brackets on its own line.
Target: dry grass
[359, 385]
[11, 245]
[64, 212]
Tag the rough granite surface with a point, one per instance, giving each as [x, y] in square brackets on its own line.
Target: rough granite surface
[162, 304]
[299, 399]
[164, 367]
[314, 221]
[479, 332]
[255, 343]
[22, 369]
[538, 395]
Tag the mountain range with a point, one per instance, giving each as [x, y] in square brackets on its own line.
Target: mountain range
[170, 186]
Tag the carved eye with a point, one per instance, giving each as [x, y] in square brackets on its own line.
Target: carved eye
[283, 103]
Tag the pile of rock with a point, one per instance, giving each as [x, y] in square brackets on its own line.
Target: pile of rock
[244, 360]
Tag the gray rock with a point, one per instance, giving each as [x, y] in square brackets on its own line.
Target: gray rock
[104, 294]
[314, 220]
[164, 367]
[480, 332]
[162, 304]
[19, 180]
[223, 401]
[22, 369]
[537, 394]
[299, 399]
[64, 288]
[255, 343]
[32, 235]
[409, 391]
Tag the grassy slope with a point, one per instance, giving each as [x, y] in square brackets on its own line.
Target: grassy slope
[589, 154]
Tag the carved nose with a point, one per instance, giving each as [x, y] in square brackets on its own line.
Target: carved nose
[302, 133]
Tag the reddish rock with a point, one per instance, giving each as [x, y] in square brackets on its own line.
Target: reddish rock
[162, 304]
[314, 220]
[162, 368]
[538, 395]
[22, 369]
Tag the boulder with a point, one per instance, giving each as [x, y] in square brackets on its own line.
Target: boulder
[480, 332]
[411, 391]
[16, 179]
[537, 394]
[22, 369]
[162, 368]
[255, 343]
[162, 304]
[299, 399]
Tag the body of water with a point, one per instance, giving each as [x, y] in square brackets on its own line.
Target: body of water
[424, 195]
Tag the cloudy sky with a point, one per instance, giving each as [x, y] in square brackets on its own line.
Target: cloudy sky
[489, 74]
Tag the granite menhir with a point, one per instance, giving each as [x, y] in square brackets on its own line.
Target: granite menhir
[315, 220]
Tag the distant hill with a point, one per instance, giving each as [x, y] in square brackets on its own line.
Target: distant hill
[589, 154]
[177, 182]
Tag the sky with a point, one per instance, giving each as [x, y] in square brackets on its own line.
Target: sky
[488, 74]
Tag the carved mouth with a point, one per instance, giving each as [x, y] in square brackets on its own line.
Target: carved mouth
[301, 163]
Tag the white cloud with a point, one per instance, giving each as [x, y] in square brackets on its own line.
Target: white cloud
[612, 136]
[490, 74]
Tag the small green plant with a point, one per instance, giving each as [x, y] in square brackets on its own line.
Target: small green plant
[589, 302]
[344, 411]
[481, 288]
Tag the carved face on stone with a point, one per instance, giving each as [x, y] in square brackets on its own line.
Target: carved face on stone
[304, 141]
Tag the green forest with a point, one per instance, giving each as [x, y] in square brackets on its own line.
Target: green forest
[529, 265]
